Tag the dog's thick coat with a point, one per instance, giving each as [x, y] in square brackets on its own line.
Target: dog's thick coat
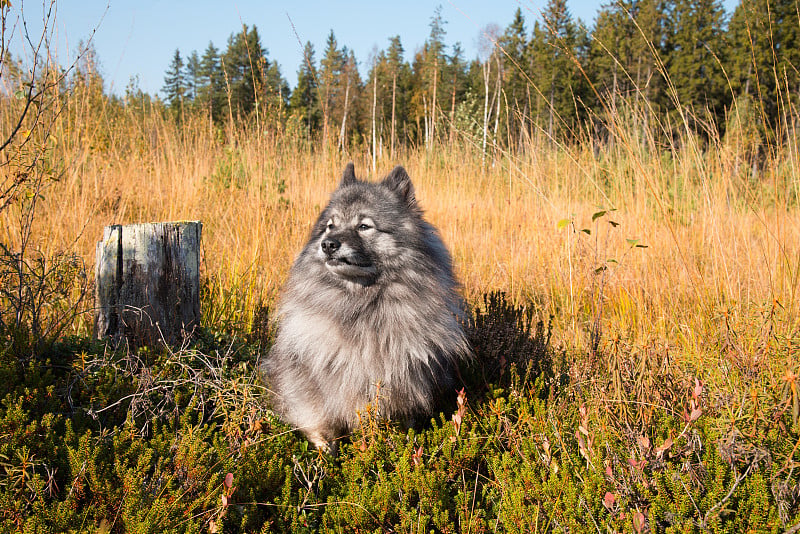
[370, 314]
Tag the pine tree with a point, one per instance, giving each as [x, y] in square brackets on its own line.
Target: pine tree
[454, 79]
[211, 94]
[330, 71]
[304, 102]
[193, 80]
[764, 55]
[428, 74]
[244, 64]
[558, 48]
[624, 57]
[514, 65]
[694, 66]
[399, 71]
[349, 98]
[174, 83]
[276, 92]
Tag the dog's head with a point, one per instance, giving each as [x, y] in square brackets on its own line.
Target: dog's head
[367, 227]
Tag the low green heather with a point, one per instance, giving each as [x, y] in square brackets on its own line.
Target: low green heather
[543, 438]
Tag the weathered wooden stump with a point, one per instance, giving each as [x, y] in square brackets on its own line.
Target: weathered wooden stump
[147, 283]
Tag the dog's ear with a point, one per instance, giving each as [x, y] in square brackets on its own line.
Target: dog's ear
[349, 175]
[399, 182]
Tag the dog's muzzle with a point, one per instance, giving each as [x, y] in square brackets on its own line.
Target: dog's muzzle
[344, 262]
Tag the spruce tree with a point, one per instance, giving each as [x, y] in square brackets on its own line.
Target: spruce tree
[694, 66]
[330, 71]
[764, 55]
[211, 85]
[244, 64]
[428, 76]
[612, 57]
[399, 72]
[304, 102]
[455, 82]
[514, 63]
[276, 92]
[558, 45]
[174, 83]
[350, 92]
[192, 76]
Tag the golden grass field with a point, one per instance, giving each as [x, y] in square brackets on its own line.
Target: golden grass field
[722, 245]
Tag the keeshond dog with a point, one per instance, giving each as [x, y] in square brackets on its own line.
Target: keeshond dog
[370, 315]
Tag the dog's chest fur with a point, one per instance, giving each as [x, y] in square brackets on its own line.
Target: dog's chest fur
[370, 348]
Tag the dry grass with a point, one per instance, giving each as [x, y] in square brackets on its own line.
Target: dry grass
[720, 243]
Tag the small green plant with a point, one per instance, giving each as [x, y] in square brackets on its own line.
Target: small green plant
[230, 171]
[601, 261]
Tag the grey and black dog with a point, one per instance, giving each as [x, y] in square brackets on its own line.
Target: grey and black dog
[370, 315]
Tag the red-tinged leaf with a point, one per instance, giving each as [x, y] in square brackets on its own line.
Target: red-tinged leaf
[228, 480]
[457, 421]
[609, 471]
[583, 430]
[224, 500]
[698, 389]
[638, 522]
[581, 442]
[664, 447]
[637, 464]
[462, 397]
[644, 442]
[417, 456]
[212, 527]
[695, 415]
[609, 499]
[582, 410]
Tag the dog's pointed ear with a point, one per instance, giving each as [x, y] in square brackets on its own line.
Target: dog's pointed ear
[399, 182]
[348, 176]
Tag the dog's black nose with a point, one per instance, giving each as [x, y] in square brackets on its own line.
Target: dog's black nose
[330, 245]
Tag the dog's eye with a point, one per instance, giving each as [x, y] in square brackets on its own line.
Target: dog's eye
[330, 225]
[362, 227]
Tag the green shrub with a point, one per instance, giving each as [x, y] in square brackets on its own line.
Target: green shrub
[94, 440]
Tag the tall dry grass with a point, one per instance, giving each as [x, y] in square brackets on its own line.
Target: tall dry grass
[722, 243]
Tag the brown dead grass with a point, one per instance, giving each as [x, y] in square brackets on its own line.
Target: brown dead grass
[719, 241]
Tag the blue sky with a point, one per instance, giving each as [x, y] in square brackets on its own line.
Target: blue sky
[139, 38]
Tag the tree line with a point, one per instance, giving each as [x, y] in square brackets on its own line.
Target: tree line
[675, 67]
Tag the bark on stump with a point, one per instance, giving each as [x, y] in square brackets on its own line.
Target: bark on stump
[147, 289]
